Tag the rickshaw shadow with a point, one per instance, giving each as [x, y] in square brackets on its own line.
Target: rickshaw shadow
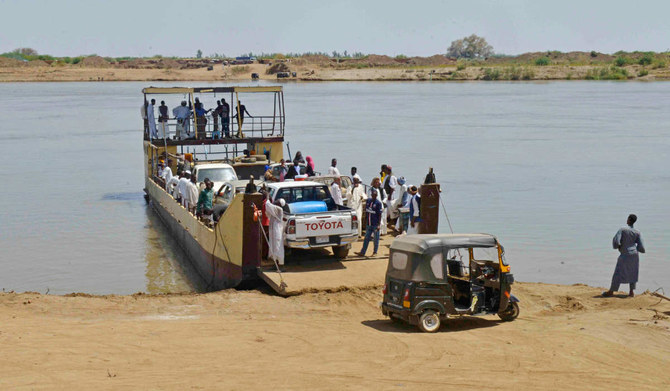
[614, 296]
[451, 325]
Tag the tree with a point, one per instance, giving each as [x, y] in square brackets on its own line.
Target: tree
[198, 54]
[26, 51]
[470, 47]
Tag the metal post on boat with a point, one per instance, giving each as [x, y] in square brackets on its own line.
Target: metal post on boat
[195, 117]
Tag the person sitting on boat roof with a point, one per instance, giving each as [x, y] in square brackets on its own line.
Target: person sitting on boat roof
[182, 113]
[332, 170]
[182, 186]
[205, 205]
[241, 109]
[152, 119]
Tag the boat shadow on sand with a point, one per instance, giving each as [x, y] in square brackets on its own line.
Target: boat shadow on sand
[451, 325]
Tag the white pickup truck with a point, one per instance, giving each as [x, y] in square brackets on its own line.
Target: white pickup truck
[313, 219]
[219, 173]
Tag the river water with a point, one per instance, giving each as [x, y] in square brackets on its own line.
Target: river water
[552, 169]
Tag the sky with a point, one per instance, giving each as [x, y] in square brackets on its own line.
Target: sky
[413, 28]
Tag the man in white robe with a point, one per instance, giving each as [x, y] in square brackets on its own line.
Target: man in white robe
[390, 185]
[182, 114]
[336, 191]
[356, 201]
[152, 119]
[414, 211]
[276, 240]
[193, 193]
[167, 173]
[171, 186]
[182, 186]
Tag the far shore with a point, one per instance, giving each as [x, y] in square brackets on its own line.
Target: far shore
[315, 72]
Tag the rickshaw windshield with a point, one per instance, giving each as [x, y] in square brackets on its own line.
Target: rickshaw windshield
[416, 267]
[485, 254]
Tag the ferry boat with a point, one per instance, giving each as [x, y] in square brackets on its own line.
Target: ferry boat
[230, 252]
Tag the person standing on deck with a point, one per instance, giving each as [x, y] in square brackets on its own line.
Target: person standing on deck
[373, 208]
[382, 173]
[205, 205]
[299, 158]
[182, 114]
[163, 117]
[356, 200]
[332, 170]
[182, 186]
[171, 185]
[143, 113]
[201, 119]
[354, 173]
[225, 118]
[152, 119]
[192, 191]
[401, 201]
[628, 241]
[215, 121]
[414, 211]
[336, 191]
[241, 110]
[275, 213]
[167, 172]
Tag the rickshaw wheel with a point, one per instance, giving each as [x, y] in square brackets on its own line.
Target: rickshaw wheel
[429, 322]
[510, 313]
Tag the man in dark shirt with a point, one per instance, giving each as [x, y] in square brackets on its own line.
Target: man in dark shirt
[225, 117]
[241, 110]
[373, 208]
[163, 117]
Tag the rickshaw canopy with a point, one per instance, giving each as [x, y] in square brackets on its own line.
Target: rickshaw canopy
[420, 244]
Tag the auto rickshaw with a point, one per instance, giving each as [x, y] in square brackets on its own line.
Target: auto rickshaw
[433, 277]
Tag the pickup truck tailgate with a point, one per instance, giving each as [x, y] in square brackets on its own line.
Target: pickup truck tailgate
[323, 225]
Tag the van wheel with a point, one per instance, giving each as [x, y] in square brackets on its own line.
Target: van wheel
[340, 252]
[429, 322]
[510, 313]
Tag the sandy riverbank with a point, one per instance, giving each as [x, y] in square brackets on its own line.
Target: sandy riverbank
[315, 72]
[565, 338]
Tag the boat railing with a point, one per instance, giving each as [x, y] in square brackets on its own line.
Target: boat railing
[249, 127]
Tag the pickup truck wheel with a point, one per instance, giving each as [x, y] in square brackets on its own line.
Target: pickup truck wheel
[340, 252]
[429, 322]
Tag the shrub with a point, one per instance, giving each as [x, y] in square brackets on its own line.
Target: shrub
[491, 74]
[400, 57]
[512, 73]
[643, 72]
[659, 64]
[621, 61]
[594, 53]
[646, 59]
[542, 61]
[527, 74]
[461, 65]
[611, 73]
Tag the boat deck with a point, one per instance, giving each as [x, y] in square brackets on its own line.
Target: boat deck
[317, 270]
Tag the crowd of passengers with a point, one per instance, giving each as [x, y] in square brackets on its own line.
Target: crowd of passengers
[185, 112]
[384, 200]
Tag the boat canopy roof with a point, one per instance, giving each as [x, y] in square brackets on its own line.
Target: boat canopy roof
[424, 242]
[192, 90]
